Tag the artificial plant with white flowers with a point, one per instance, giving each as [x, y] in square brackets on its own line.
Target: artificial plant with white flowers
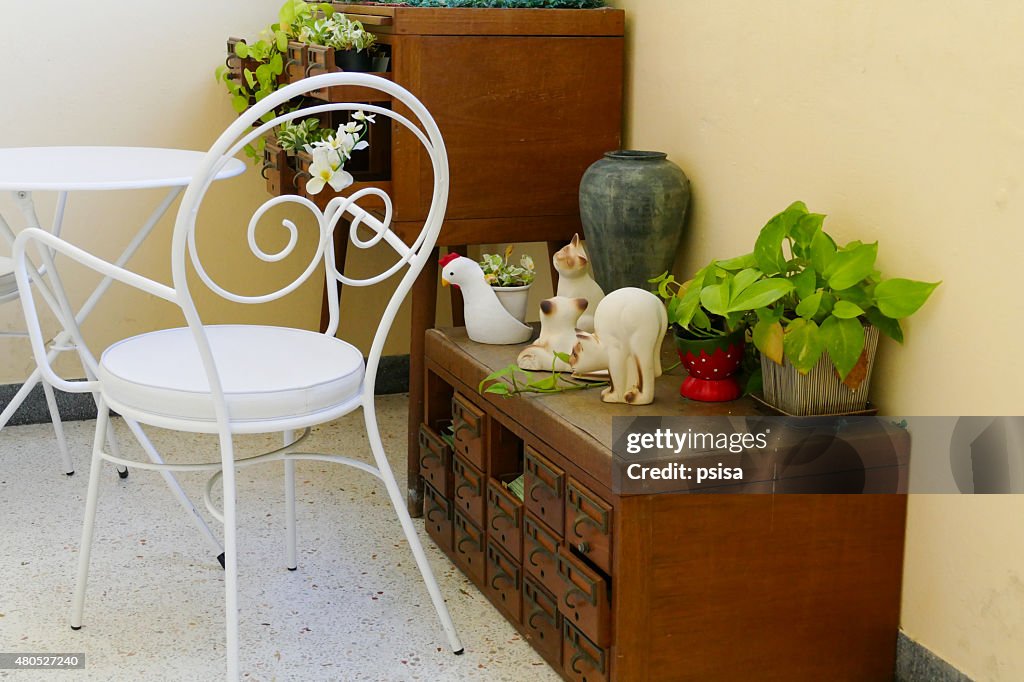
[332, 153]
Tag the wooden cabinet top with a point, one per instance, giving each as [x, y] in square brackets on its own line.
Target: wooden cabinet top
[576, 422]
[451, 21]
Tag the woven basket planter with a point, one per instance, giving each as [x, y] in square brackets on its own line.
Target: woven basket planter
[820, 391]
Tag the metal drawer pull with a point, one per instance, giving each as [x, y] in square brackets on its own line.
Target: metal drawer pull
[540, 612]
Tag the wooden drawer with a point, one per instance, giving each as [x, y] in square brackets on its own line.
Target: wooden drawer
[588, 524]
[542, 621]
[584, 597]
[468, 484]
[468, 547]
[468, 424]
[505, 519]
[504, 582]
[544, 487]
[540, 549]
[437, 517]
[582, 660]
[435, 460]
[296, 60]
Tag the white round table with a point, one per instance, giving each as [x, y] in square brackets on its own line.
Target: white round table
[72, 169]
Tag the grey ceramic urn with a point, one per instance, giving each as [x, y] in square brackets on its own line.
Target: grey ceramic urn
[633, 204]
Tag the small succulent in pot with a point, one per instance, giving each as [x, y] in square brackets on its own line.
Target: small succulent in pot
[499, 272]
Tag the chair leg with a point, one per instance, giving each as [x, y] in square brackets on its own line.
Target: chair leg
[85, 548]
[230, 559]
[398, 502]
[291, 558]
[58, 429]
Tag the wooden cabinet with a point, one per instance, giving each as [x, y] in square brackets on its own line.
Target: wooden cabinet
[655, 587]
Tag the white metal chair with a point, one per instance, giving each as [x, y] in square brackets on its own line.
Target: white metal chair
[241, 379]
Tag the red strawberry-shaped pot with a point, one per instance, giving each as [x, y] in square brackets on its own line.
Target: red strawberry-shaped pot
[712, 365]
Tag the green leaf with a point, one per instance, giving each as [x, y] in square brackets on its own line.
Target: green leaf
[564, 357]
[898, 298]
[769, 315]
[886, 325]
[674, 309]
[277, 62]
[808, 307]
[768, 338]
[742, 280]
[823, 250]
[805, 282]
[498, 388]
[738, 263]
[286, 15]
[250, 78]
[846, 310]
[716, 298]
[759, 294]
[844, 341]
[806, 227]
[768, 247]
[241, 50]
[803, 344]
[860, 295]
[239, 103]
[851, 266]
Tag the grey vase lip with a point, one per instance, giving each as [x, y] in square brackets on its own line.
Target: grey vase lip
[635, 155]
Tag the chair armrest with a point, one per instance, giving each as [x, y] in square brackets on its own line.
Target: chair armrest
[52, 291]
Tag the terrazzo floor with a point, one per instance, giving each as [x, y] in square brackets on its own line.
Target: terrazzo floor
[356, 609]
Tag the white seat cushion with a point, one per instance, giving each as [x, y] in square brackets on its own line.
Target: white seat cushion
[266, 372]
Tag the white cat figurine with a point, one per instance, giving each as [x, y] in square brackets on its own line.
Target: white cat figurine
[558, 317]
[630, 325]
[575, 281]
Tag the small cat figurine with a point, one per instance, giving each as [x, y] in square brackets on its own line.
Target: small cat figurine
[558, 317]
[575, 281]
[631, 325]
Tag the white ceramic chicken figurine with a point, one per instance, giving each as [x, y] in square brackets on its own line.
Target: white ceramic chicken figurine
[487, 321]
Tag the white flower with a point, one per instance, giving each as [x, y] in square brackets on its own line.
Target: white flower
[360, 116]
[351, 127]
[325, 171]
[527, 262]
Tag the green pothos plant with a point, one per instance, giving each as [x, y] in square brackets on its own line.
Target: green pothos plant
[801, 293]
[268, 55]
[512, 380]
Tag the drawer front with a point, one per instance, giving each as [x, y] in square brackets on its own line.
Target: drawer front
[540, 549]
[437, 517]
[435, 460]
[582, 660]
[504, 582]
[468, 493]
[542, 621]
[468, 546]
[468, 424]
[583, 598]
[505, 519]
[588, 524]
[544, 486]
[296, 61]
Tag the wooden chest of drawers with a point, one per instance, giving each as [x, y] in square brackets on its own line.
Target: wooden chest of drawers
[647, 587]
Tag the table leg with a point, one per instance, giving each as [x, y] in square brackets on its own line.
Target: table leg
[424, 313]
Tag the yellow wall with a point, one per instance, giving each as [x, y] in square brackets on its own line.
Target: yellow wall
[903, 122]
